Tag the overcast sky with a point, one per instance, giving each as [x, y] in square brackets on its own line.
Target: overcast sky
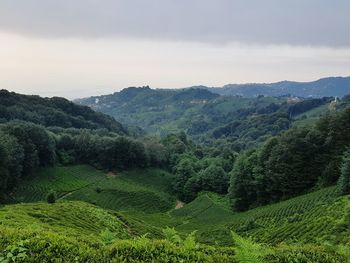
[76, 48]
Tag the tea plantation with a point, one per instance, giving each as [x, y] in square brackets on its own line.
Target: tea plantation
[125, 217]
[124, 191]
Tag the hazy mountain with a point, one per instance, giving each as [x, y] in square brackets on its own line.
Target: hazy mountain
[326, 87]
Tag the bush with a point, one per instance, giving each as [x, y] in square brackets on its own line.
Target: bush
[44, 246]
[51, 197]
[305, 254]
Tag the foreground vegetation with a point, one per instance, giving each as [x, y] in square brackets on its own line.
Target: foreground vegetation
[76, 231]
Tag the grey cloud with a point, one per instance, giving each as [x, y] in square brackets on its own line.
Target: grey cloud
[295, 22]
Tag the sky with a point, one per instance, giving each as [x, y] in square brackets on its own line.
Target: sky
[92, 47]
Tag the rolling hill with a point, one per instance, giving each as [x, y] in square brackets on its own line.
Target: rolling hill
[325, 87]
[205, 116]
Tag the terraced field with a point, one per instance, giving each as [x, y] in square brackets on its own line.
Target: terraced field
[63, 180]
[68, 218]
[145, 202]
[146, 190]
[312, 218]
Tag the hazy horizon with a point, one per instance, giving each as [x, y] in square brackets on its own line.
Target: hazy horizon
[83, 48]
[152, 87]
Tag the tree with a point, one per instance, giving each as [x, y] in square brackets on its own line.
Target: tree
[215, 179]
[344, 179]
[184, 171]
[4, 174]
[15, 157]
[242, 191]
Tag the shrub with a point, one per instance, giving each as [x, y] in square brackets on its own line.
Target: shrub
[51, 197]
[304, 254]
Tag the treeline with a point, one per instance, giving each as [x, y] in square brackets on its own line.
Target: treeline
[292, 163]
[51, 112]
[24, 147]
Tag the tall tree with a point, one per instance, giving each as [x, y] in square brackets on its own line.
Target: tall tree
[344, 179]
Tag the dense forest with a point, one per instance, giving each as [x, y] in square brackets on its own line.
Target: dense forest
[297, 161]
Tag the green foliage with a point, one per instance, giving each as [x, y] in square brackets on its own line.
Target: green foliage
[305, 254]
[16, 252]
[344, 179]
[189, 243]
[293, 163]
[171, 235]
[46, 246]
[107, 237]
[248, 251]
[51, 197]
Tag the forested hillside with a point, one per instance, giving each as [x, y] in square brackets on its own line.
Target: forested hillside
[233, 121]
[293, 163]
[53, 112]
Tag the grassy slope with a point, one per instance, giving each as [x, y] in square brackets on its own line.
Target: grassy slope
[68, 218]
[317, 217]
[79, 232]
[72, 231]
[145, 190]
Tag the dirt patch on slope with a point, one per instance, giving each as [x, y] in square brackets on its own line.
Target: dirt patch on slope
[179, 204]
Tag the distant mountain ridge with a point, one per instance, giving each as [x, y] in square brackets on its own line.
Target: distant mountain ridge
[325, 87]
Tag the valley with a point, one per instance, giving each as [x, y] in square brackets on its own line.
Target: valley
[265, 181]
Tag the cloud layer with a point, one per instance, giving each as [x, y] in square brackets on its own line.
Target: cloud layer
[294, 22]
